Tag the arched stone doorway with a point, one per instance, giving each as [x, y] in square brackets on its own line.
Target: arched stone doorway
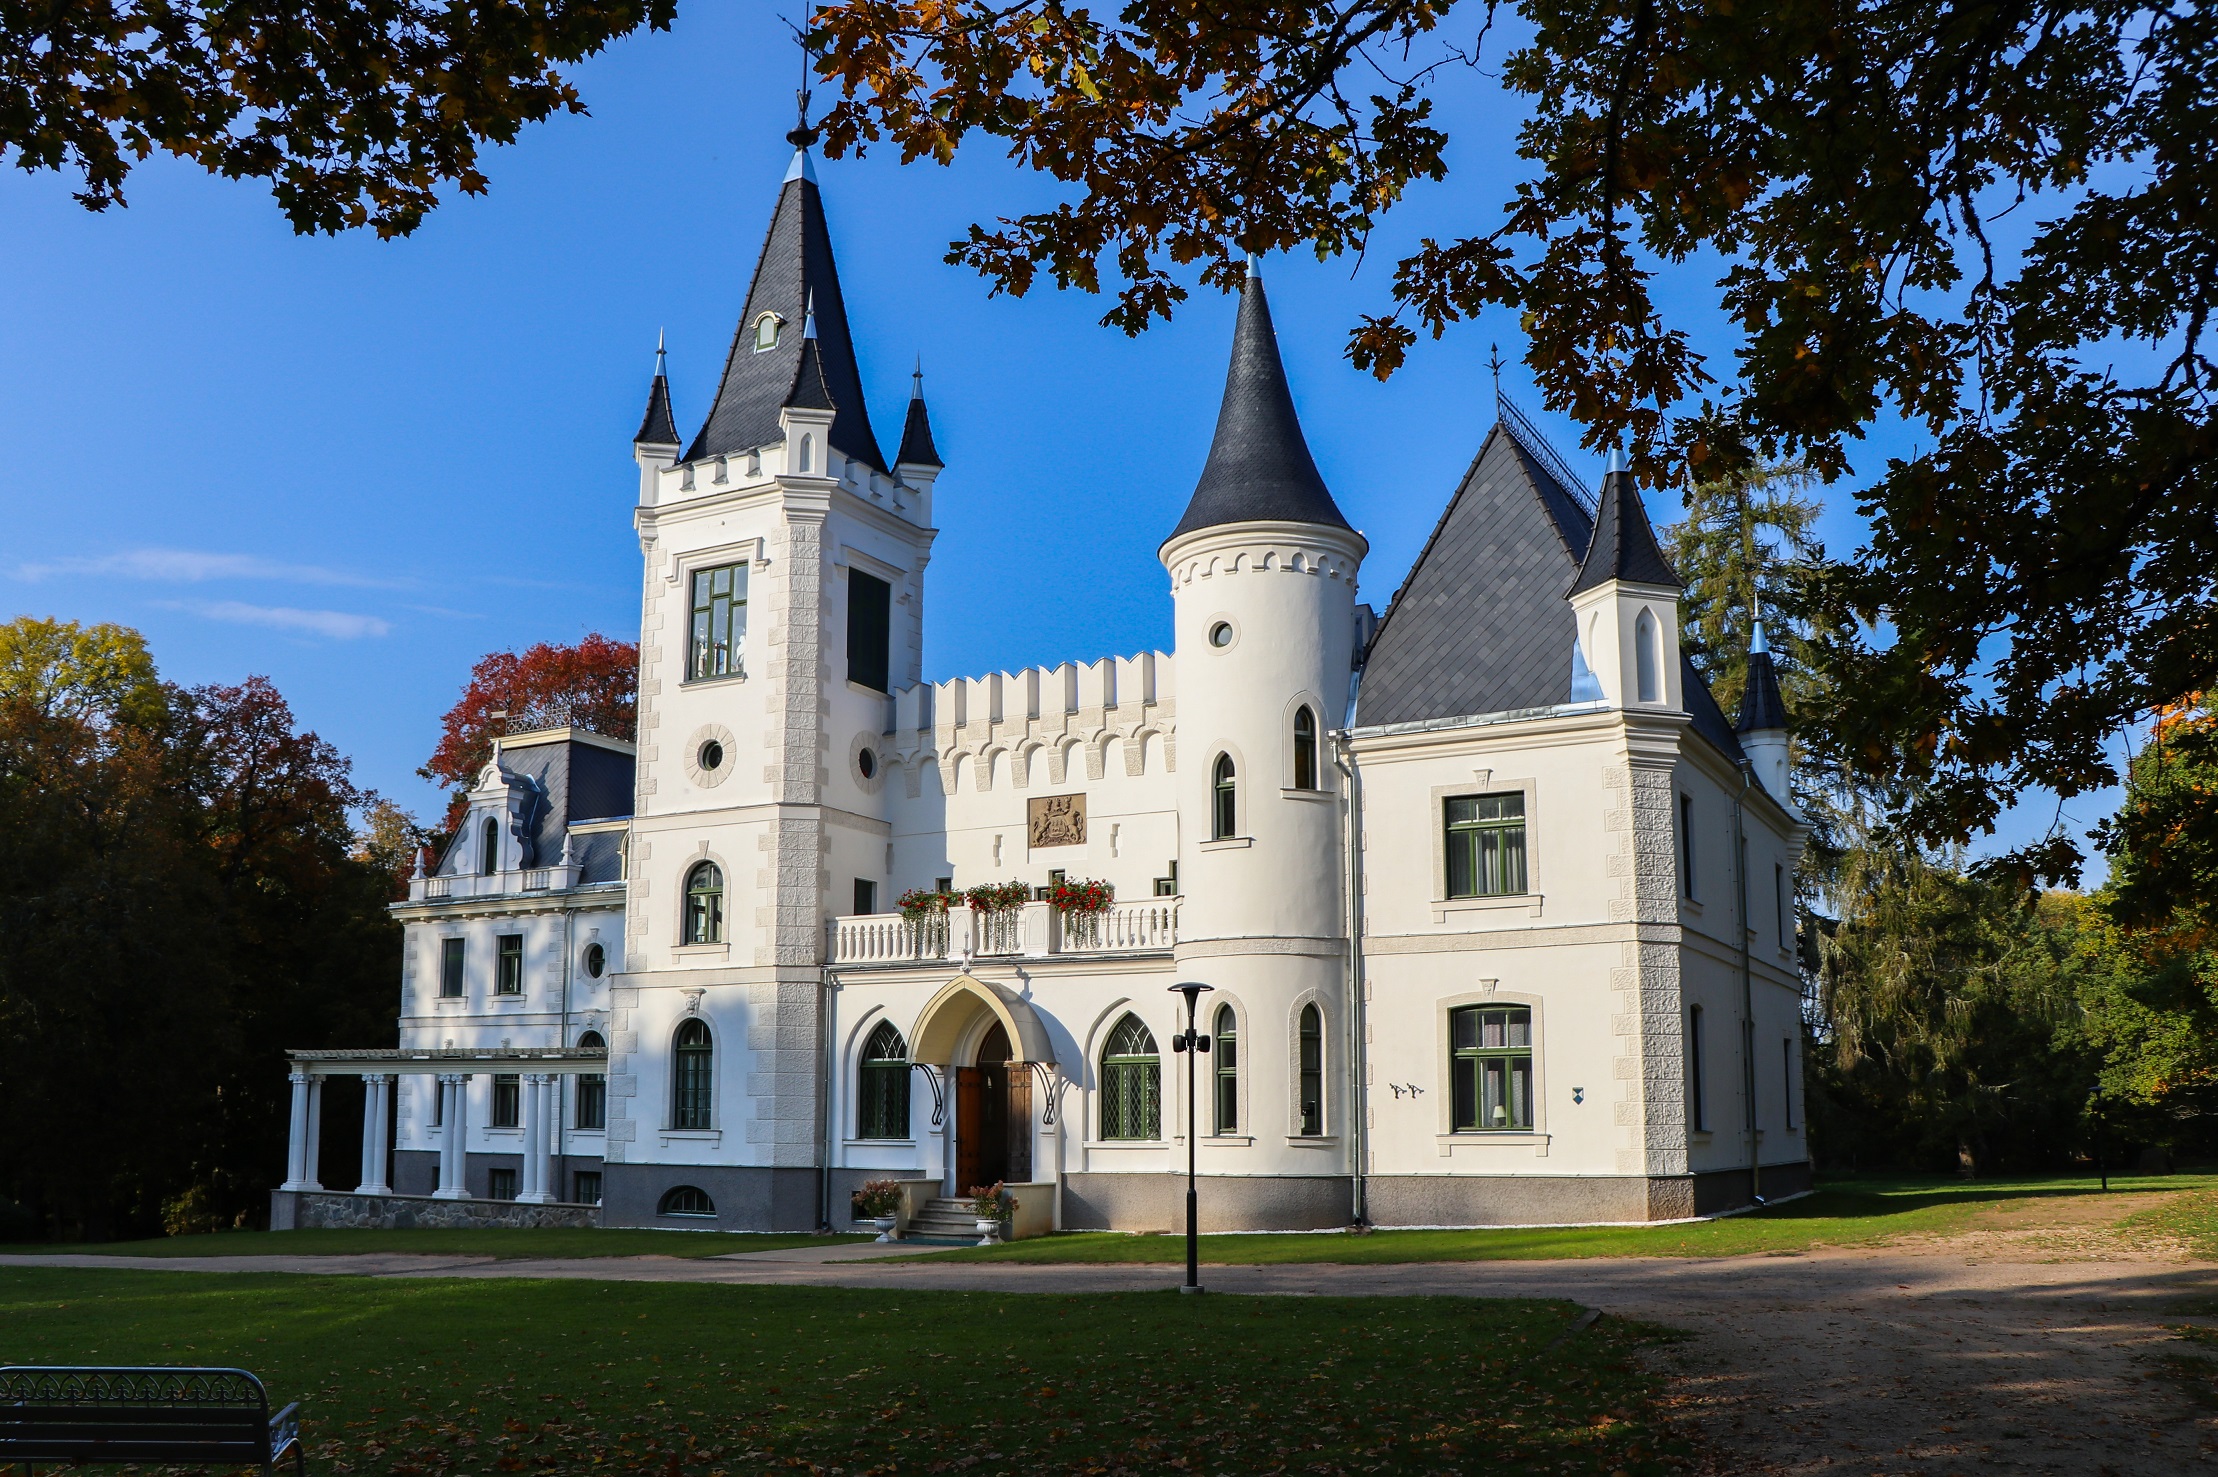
[984, 1039]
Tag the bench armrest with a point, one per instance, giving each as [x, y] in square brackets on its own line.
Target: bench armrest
[284, 1430]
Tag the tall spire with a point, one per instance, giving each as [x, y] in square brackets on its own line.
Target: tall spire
[1259, 467]
[658, 427]
[1624, 543]
[796, 283]
[1762, 708]
[917, 448]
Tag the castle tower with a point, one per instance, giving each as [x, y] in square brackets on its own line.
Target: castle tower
[1263, 578]
[783, 584]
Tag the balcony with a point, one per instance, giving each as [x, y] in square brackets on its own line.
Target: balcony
[492, 884]
[1034, 931]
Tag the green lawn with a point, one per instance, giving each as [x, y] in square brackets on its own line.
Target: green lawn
[430, 1377]
[1841, 1213]
[491, 1241]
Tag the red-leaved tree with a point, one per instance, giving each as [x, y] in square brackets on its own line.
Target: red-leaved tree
[592, 685]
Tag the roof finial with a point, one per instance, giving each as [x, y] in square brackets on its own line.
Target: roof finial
[1617, 461]
[661, 352]
[808, 316]
[1494, 363]
[916, 380]
[1757, 646]
[1253, 271]
[802, 135]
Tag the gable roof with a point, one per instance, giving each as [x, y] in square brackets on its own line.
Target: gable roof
[1259, 468]
[794, 277]
[1482, 625]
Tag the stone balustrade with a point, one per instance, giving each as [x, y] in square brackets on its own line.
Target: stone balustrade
[1033, 931]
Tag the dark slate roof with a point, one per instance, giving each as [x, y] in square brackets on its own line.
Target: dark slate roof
[658, 427]
[571, 782]
[1259, 467]
[1761, 705]
[795, 270]
[1624, 546]
[917, 449]
[1482, 625]
[809, 390]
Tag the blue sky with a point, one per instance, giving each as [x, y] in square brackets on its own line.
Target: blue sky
[356, 466]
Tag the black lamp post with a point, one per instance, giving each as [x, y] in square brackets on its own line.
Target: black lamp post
[1193, 1044]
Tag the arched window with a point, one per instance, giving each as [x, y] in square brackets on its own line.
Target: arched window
[808, 452]
[704, 904]
[1131, 1083]
[1313, 1071]
[686, 1200]
[489, 848]
[1224, 807]
[692, 1069]
[885, 1086]
[766, 331]
[592, 1116]
[1647, 669]
[1305, 748]
[1226, 1049]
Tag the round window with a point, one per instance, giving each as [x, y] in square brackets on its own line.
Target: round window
[712, 756]
[867, 762]
[596, 960]
[1220, 634]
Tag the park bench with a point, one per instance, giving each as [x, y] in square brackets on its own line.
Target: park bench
[215, 1417]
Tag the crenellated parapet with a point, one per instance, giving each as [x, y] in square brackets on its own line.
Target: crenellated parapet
[1002, 722]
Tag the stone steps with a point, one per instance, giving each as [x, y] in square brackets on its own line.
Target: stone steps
[943, 1219]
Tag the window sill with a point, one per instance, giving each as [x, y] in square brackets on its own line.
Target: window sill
[866, 689]
[701, 951]
[717, 681]
[1228, 843]
[1507, 1138]
[880, 1143]
[1306, 794]
[1227, 1141]
[1509, 902]
[711, 1137]
[1313, 1141]
[504, 1130]
[1690, 905]
[1152, 1145]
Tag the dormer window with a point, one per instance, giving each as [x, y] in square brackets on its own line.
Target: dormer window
[489, 848]
[767, 328]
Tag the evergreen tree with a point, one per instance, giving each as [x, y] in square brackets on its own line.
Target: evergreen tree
[1741, 549]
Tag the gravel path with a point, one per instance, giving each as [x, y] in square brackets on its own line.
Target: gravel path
[1918, 1360]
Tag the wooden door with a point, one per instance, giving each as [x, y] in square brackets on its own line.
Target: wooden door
[970, 1129]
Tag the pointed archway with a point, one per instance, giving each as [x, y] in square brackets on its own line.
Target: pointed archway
[990, 1045]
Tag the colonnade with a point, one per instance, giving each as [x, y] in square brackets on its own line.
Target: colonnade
[539, 1106]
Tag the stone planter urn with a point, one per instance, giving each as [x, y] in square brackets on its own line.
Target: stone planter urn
[987, 1231]
[885, 1225]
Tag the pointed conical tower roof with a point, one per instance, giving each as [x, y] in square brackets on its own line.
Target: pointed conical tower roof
[917, 449]
[658, 427]
[1259, 468]
[794, 280]
[1762, 708]
[1624, 544]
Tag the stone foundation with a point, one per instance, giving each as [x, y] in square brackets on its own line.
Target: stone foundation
[747, 1197]
[300, 1210]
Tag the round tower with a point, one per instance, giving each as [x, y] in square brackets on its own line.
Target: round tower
[1263, 579]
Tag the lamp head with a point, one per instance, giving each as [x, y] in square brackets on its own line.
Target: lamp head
[1191, 989]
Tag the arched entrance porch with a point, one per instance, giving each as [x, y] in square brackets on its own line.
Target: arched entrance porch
[993, 1052]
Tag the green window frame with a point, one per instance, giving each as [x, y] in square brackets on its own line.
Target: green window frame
[507, 1101]
[1224, 800]
[1485, 838]
[883, 1099]
[704, 904]
[1312, 1038]
[1131, 1083]
[508, 957]
[1490, 1069]
[450, 969]
[1305, 748]
[1225, 1049]
[692, 1075]
[869, 631]
[592, 1105]
[717, 634]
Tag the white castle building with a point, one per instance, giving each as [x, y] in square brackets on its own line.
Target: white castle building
[1492, 902]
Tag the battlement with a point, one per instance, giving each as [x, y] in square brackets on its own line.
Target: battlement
[1109, 685]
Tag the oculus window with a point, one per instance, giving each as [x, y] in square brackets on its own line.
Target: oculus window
[1490, 1068]
[869, 630]
[718, 630]
[884, 1109]
[1131, 1083]
[1486, 845]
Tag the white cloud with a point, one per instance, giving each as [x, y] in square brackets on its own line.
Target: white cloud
[191, 566]
[339, 625]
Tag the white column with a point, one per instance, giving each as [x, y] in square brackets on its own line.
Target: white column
[376, 1091]
[532, 1181]
[454, 1146]
[296, 1147]
[312, 1164]
[550, 1120]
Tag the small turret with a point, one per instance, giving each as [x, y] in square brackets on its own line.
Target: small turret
[1762, 728]
[655, 446]
[918, 453]
[1626, 602]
